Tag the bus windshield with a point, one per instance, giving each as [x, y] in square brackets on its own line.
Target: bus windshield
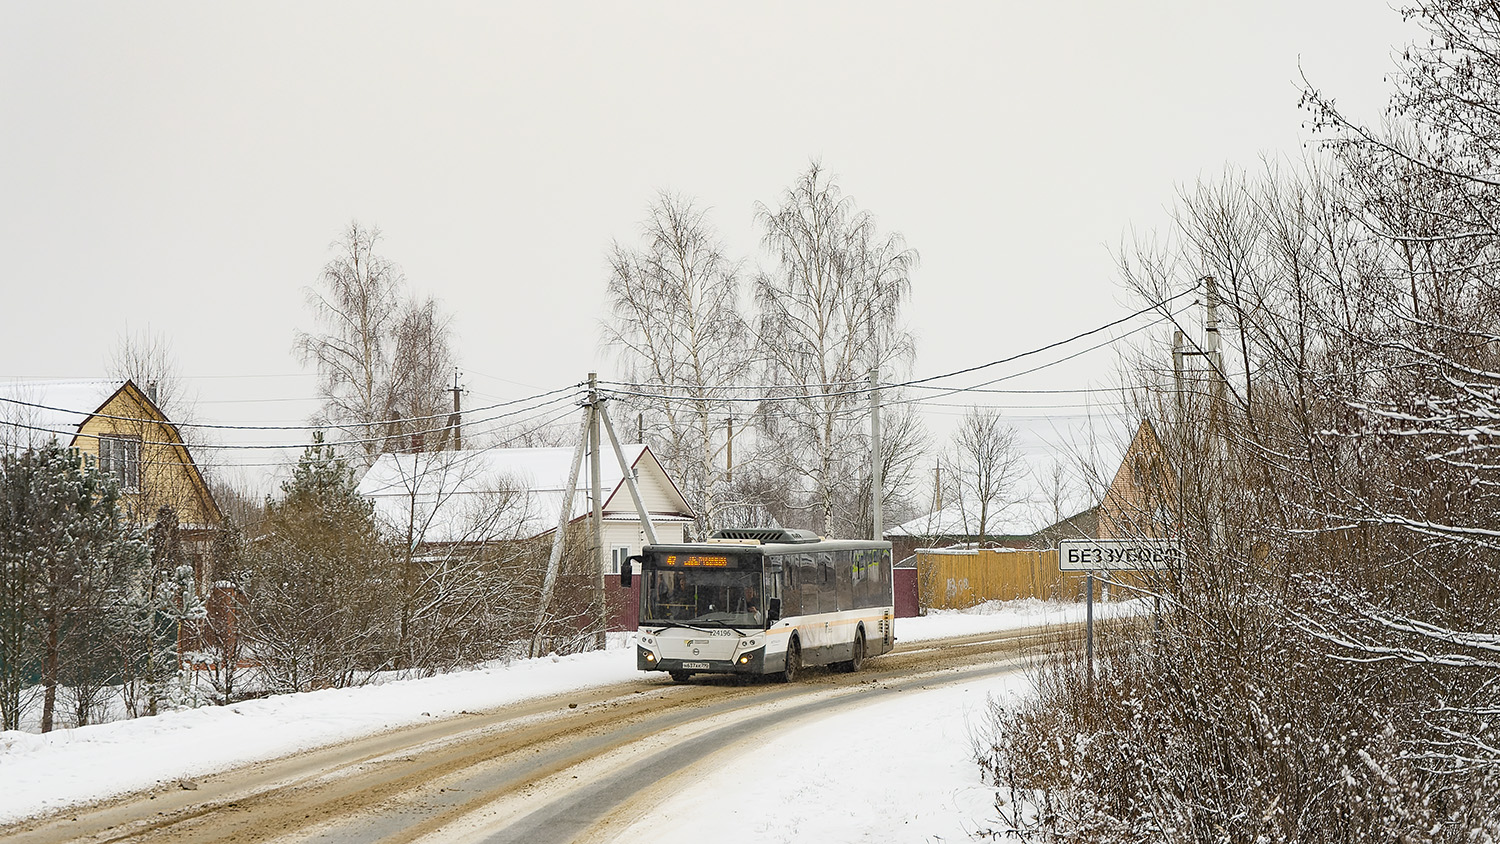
[705, 597]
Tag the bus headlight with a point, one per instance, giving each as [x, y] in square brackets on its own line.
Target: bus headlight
[744, 659]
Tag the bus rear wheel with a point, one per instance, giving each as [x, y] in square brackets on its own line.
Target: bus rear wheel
[793, 661]
[857, 654]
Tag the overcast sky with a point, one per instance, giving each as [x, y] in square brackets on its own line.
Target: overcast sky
[184, 168]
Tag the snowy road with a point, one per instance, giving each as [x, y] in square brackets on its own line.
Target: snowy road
[608, 763]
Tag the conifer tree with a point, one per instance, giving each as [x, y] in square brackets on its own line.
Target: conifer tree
[66, 561]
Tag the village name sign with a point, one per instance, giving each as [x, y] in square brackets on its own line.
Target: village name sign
[1118, 554]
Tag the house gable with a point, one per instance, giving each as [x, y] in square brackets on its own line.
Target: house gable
[436, 495]
[1140, 500]
[659, 495]
[164, 471]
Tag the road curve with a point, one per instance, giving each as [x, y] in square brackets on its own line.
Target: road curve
[575, 767]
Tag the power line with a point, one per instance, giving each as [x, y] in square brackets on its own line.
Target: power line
[330, 426]
[261, 446]
[910, 383]
[222, 464]
[922, 383]
[1097, 346]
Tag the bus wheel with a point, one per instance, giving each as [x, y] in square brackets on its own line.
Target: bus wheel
[793, 661]
[679, 676]
[856, 656]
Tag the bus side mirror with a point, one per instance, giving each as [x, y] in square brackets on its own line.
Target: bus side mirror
[773, 610]
[625, 569]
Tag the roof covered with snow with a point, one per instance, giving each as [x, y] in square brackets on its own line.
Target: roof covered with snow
[508, 493]
[957, 521]
[33, 412]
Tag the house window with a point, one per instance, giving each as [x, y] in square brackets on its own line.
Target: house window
[121, 457]
[617, 556]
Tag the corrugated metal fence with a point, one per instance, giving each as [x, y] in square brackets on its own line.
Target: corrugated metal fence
[960, 579]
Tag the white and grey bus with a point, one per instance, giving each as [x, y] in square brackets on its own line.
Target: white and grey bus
[763, 601]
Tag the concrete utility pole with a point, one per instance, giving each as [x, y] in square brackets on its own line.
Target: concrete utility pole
[589, 439]
[596, 485]
[1179, 341]
[937, 485]
[565, 515]
[455, 418]
[876, 482]
[729, 450]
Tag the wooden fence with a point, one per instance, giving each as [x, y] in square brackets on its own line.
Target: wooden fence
[953, 580]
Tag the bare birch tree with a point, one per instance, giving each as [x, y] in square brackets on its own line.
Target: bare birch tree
[829, 313]
[678, 329]
[382, 358]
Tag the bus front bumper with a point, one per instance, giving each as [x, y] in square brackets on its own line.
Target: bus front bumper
[745, 662]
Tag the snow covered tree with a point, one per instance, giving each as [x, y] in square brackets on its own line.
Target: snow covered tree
[462, 595]
[66, 559]
[1325, 665]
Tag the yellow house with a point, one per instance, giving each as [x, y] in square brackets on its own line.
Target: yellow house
[117, 426]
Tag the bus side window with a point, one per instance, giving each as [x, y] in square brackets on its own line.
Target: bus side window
[791, 593]
[843, 572]
[810, 579]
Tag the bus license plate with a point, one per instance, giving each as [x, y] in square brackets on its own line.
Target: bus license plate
[695, 665]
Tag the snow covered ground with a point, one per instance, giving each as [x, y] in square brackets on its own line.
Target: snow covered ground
[932, 792]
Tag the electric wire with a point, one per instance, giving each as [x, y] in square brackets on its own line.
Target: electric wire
[330, 426]
[263, 446]
[909, 383]
[573, 390]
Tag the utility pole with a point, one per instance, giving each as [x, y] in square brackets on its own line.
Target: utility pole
[1178, 342]
[937, 485]
[554, 559]
[876, 482]
[454, 419]
[596, 485]
[589, 440]
[1216, 414]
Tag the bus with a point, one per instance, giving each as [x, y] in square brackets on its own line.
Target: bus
[762, 601]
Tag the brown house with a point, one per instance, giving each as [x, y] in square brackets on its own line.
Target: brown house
[1141, 500]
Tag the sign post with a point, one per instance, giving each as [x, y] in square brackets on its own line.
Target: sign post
[1094, 555]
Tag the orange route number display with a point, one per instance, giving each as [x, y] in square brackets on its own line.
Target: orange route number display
[699, 560]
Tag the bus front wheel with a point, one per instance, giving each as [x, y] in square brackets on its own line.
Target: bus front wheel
[679, 676]
[793, 661]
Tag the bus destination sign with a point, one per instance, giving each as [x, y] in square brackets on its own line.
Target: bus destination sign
[1118, 554]
[697, 560]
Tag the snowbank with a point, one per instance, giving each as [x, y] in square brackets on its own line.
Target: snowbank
[41, 773]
